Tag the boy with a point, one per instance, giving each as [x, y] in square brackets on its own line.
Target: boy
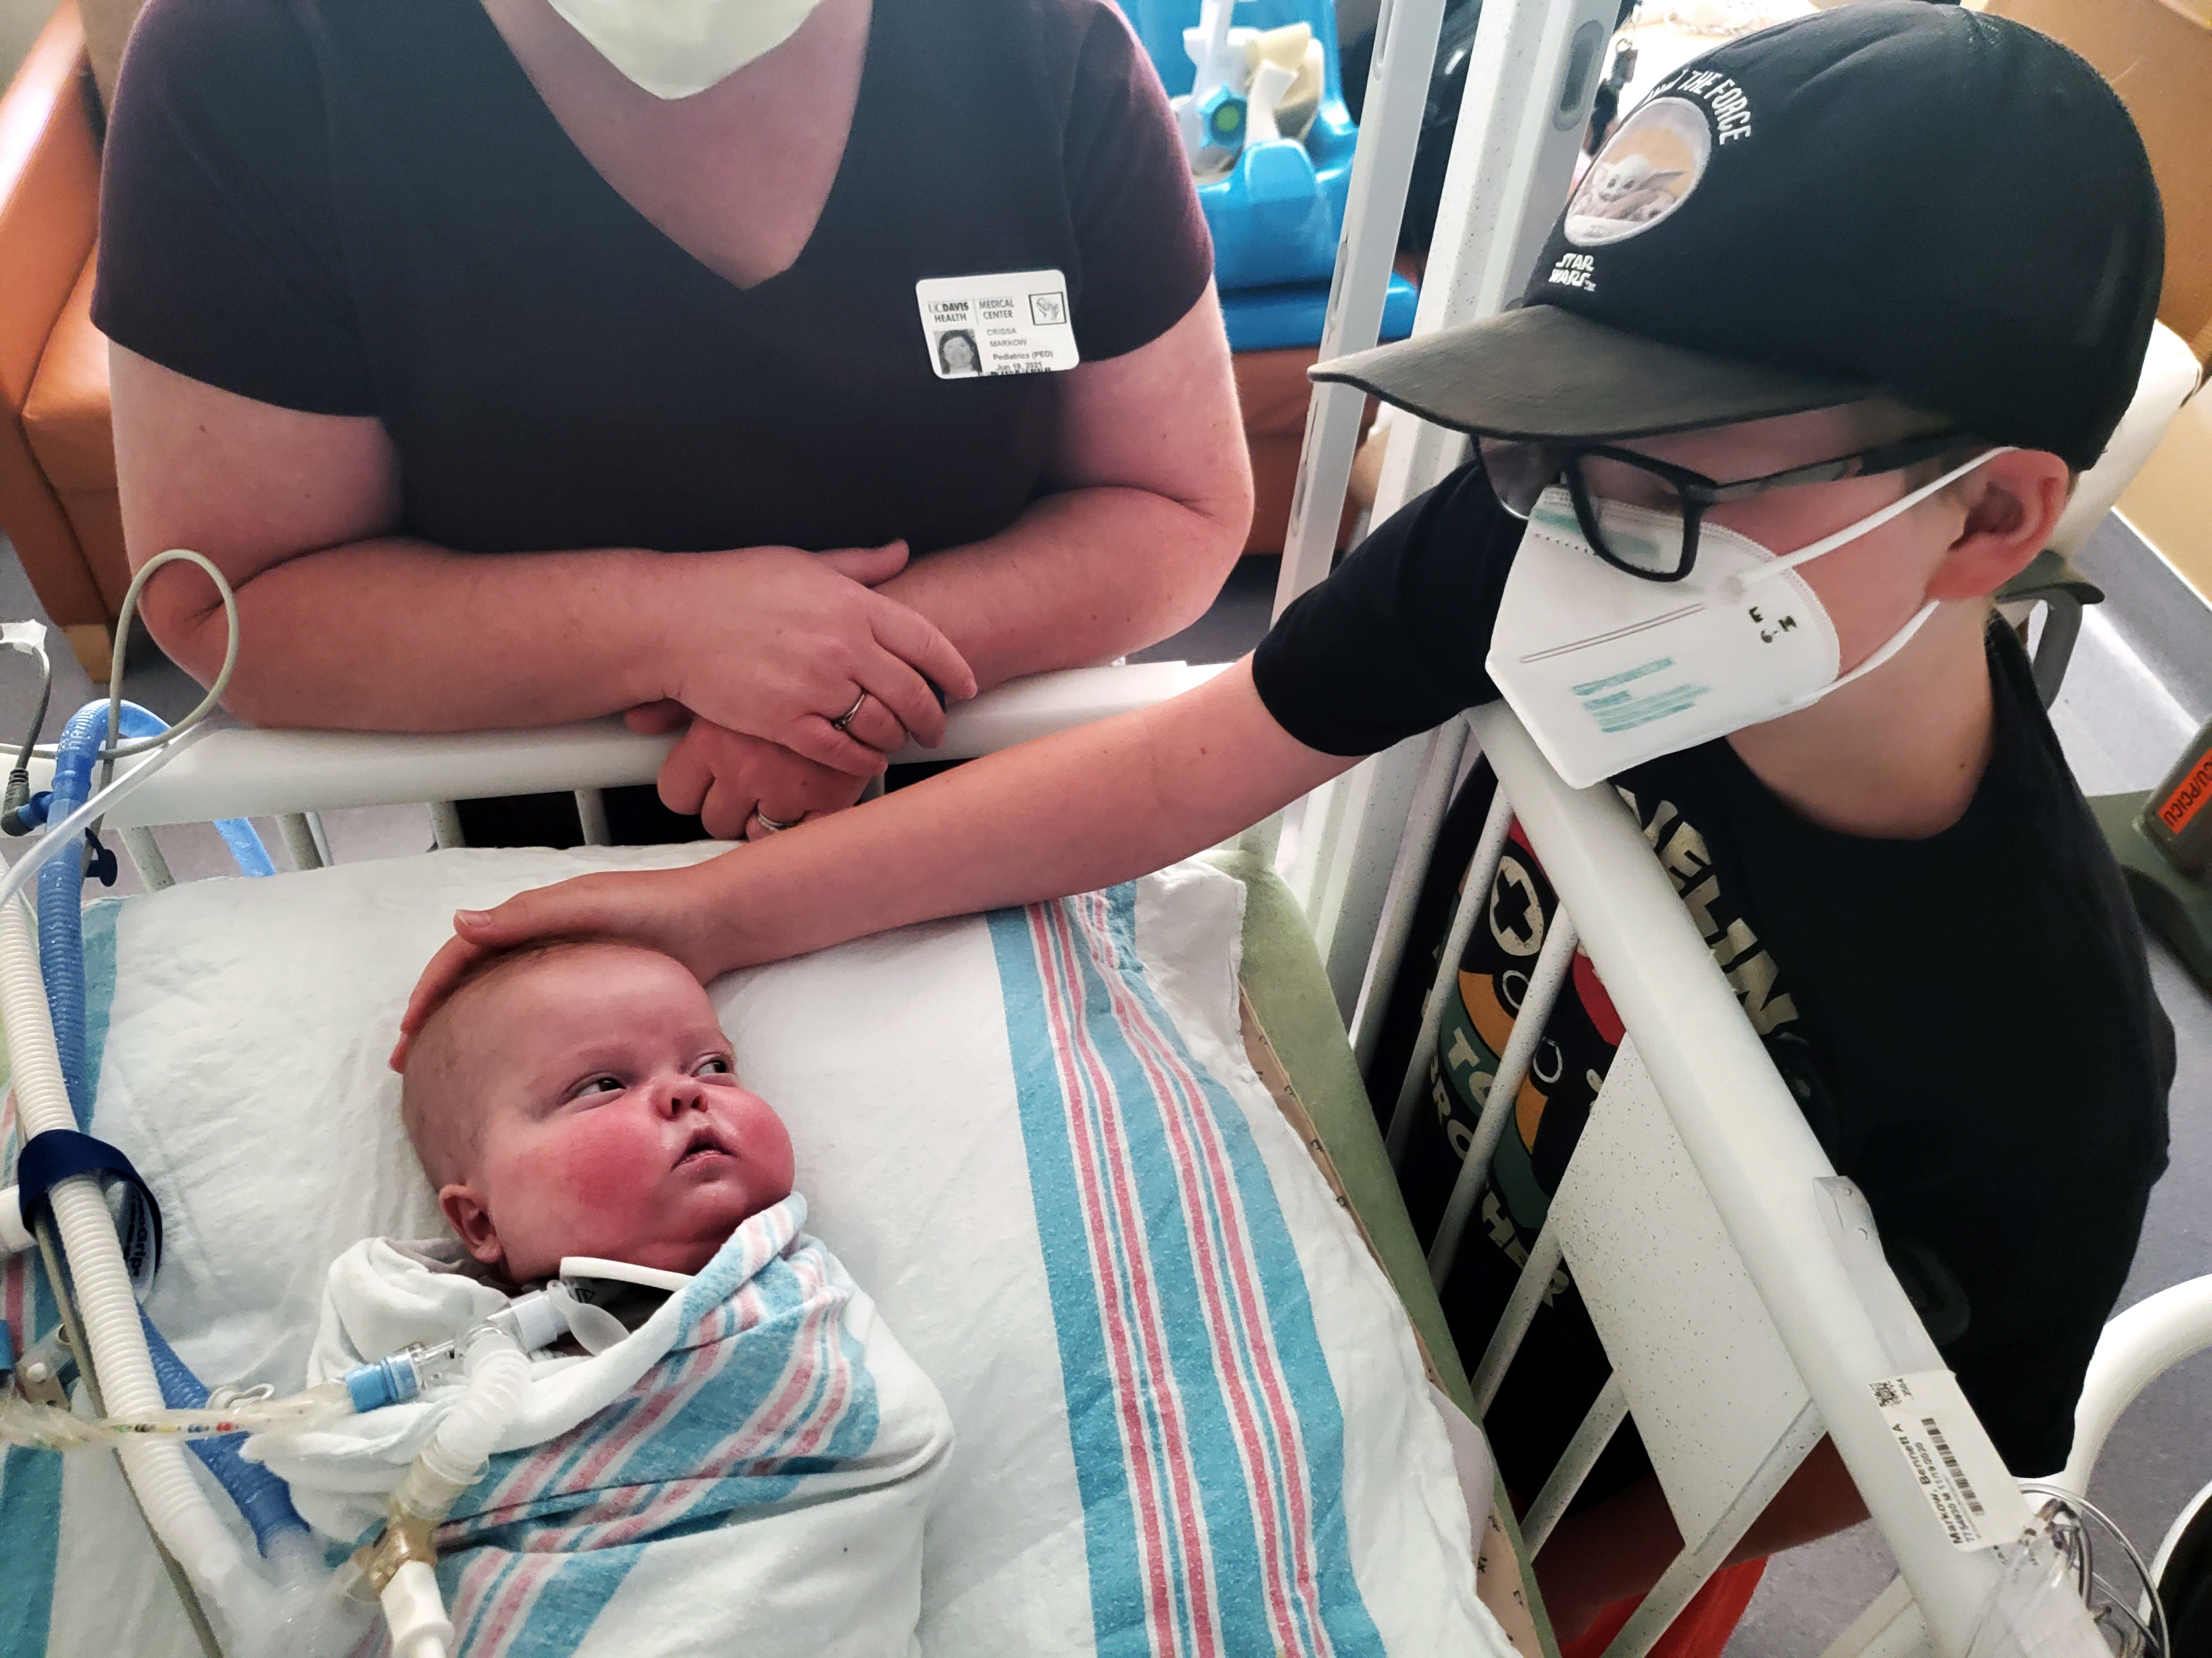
[1888, 278]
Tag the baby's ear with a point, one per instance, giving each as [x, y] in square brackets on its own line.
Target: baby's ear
[466, 1214]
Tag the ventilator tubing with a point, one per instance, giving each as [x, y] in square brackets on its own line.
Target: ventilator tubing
[498, 1380]
[181, 1517]
[61, 885]
[261, 1495]
[398, 1563]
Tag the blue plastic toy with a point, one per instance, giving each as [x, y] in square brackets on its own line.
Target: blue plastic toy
[1274, 203]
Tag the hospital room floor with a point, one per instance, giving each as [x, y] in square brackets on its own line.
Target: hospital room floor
[2140, 683]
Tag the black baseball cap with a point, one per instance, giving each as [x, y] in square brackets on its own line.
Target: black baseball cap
[1888, 198]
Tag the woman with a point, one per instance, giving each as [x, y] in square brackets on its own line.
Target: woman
[583, 286]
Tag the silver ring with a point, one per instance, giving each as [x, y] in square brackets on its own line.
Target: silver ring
[845, 718]
[770, 824]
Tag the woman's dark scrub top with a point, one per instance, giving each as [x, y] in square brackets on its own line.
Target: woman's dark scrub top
[363, 207]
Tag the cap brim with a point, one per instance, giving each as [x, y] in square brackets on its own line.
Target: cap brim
[1540, 372]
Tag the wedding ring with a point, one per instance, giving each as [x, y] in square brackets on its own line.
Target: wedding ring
[769, 823]
[845, 718]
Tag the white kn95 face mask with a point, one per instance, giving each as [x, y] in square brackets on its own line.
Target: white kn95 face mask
[1608, 670]
[674, 48]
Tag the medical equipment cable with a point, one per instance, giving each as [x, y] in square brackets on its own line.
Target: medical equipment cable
[59, 836]
[19, 776]
[126, 613]
[2069, 1515]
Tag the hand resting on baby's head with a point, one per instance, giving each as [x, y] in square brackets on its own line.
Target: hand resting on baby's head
[578, 1098]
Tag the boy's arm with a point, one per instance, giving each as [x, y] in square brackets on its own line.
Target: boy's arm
[1081, 810]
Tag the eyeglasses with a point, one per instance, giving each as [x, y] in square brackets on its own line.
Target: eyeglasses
[1520, 471]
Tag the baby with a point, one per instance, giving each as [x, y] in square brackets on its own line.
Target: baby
[578, 1097]
[750, 1470]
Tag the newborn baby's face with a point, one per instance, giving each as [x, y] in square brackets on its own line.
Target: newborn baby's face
[612, 1120]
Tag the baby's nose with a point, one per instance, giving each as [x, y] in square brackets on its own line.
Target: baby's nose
[681, 1095]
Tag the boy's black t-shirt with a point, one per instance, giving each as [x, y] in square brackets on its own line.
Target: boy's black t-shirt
[1967, 1019]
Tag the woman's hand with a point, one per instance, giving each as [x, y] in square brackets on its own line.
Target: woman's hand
[732, 781]
[796, 643]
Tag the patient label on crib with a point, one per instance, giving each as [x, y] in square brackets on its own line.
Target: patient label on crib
[1957, 1470]
[1016, 322]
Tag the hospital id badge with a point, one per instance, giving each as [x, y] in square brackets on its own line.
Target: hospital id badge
[1016, 322]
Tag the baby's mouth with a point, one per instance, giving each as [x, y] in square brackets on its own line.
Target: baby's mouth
[702, 1145]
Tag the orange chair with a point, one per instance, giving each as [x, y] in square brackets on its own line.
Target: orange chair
[58, 500]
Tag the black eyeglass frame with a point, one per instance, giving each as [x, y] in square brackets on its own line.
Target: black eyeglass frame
[1697, 492]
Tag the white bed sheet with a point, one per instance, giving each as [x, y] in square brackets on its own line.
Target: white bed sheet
[243, 1069]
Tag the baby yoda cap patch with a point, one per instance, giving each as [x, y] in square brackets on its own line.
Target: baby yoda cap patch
[1886, 198]
[1648, 167]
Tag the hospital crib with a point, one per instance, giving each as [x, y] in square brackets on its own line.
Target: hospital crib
[1777, 1320]
[1772, 1319]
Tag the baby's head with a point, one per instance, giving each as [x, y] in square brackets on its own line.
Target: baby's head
[578, 1097]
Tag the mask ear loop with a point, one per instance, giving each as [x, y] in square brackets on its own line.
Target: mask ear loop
[1735, 586]
[1898, 640]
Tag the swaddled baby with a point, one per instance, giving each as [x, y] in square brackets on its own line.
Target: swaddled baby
[749, 1469]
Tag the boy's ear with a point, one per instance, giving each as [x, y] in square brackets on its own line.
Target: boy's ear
[466, 1214]
[2014, 501]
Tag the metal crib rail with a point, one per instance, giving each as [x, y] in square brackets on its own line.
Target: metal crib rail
[1743, 1130]
[244, 772]
[1533, 70]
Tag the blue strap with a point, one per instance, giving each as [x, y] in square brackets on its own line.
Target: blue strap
[60, 1153]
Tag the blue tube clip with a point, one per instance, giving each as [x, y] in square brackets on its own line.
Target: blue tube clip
[393, 1380]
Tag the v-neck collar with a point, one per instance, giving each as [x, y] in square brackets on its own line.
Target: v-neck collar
[521, 89]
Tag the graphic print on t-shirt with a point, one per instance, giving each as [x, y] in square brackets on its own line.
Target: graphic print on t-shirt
[1584, 1031]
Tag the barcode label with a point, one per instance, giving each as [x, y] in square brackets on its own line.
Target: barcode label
[1954, 1465]
[1951, 1463]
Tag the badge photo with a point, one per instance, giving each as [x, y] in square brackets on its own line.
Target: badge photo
[1013, 322]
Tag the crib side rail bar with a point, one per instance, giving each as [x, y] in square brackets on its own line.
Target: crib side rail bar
[1751, 1146]
[1406, 33]
[241, 773]
[1533, 71]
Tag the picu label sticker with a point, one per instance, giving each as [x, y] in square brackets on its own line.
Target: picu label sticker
[1016, 322]
[1970, 1490]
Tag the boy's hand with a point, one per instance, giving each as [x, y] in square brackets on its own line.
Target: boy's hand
[664, 909]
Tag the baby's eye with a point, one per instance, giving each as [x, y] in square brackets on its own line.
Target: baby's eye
[603, 1084]
[715, 1066]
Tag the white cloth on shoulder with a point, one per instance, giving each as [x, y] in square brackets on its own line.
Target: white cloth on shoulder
[681, 1482]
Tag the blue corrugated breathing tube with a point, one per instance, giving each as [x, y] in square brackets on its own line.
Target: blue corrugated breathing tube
[61, 883]
[261, 1497]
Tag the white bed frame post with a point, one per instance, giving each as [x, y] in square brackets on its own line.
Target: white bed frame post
[1533, 71]
[1701, 1141]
